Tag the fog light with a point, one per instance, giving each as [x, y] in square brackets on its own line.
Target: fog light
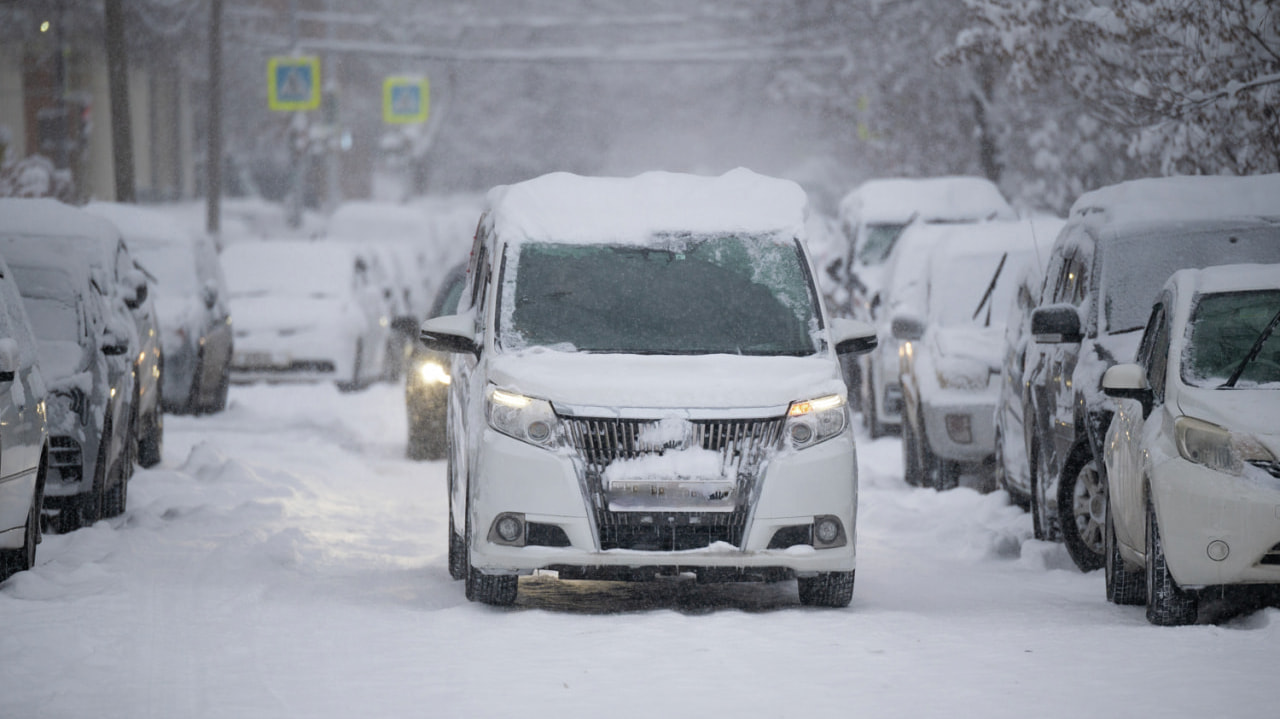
[827, 531]
[958, 428]
[508, 528]
[1218, 550]
[801, 433]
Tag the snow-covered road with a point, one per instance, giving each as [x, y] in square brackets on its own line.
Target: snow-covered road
[286, 561]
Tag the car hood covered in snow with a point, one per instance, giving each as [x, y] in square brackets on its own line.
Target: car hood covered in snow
[666, 381]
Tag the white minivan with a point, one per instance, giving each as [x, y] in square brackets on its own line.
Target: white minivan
[645, 382]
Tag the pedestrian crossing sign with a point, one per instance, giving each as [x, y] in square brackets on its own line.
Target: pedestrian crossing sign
[405, 100]
[293, 83]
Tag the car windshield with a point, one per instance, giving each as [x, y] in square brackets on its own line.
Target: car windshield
[1134, 269]
[1222, 330]
[723, 294]
[174, 266]
[879, 243]
[961, 290]
[52, 320]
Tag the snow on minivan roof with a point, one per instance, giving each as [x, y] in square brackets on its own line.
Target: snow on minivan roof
[932, 199]
[564, 207]
[1161, 200]
[50, 218]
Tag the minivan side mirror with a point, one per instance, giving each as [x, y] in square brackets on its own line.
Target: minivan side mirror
[1056, 324]
[136, 294]
[1129, 381]
[8, 359]
[450, 333]
[907, 327]
[209, 294]
[852, 337]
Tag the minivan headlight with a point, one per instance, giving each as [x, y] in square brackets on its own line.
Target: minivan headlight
[1216, 447]
[815, 420]
[525, 418]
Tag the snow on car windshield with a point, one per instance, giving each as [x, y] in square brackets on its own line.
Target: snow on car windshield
[173, 265]
[52, 320]
[286, 268]
[1135, 268]
[724, 294]
[958, 290]
[1223, 329]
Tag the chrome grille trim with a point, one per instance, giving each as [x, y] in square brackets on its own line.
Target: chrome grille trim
[744, 445]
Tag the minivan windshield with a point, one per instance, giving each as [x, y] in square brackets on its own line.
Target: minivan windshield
[681, 294]
[1135, 268]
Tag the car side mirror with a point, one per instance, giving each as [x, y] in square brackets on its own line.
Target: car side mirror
[209, 293]
[136, 294]
[1129, 381]
[852, 337]
[451, 333]
[906, 327]
[1056, 324]
[8, 359]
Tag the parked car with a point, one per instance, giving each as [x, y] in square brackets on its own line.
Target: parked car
[1191, 454]
[426, 387]
[99, 242]
[190, 297]
[872, 218]
[644, 364]
[950, 359]
[1120, 245]
[24, 433]
[90, 437]
[305, 311]
[88, 349]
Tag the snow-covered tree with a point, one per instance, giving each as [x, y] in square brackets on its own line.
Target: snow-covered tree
[1193, 87]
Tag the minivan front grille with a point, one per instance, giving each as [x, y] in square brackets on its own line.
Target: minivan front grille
[744, 446]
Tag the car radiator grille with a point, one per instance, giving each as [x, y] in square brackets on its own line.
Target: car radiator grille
[744, 447]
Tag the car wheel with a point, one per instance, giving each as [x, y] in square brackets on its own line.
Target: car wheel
[496, 589]
[869, 417]
[1167, 603]
[457, 545]
[23, 558]
[1082, 509]
[827, 589]
[115, 499]
[912, 470]
[1124, 586]
[152, 444]
[1043, 526]
[358, 366]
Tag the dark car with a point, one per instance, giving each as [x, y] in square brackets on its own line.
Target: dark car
[426, 388]
[1120, 245]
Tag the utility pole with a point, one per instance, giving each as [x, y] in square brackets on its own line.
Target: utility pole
[213, 151]
[118, 82]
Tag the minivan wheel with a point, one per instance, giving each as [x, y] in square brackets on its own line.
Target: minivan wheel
[912, 470]
[1041, 523]
[1082, 507]
[1167, 603]
[826, 589]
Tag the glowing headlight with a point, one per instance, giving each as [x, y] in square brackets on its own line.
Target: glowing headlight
[524, 418]
[1215, 447]
[433, 373]
[815, 420]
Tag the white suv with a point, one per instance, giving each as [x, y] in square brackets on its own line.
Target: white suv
[645, 382]
[1191, 454]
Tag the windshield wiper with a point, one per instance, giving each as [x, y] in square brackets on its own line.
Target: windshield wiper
[1253, 351]
[991, 288]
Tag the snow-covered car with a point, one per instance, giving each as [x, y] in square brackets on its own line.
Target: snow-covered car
[950, 359]
[99, 242]
[1119, 246]
[645, 381]
[426, 387]
[872, 218]
[77, 336]
[190, 297]
[1191, 454]
[24, 433]
[305, 312]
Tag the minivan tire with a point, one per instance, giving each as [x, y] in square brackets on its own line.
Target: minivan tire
[827, 589]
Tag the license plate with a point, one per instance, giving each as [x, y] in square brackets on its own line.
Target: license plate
[711, 495]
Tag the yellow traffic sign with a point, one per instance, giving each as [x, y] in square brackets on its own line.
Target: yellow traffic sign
[293, 83]
[405, 100]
